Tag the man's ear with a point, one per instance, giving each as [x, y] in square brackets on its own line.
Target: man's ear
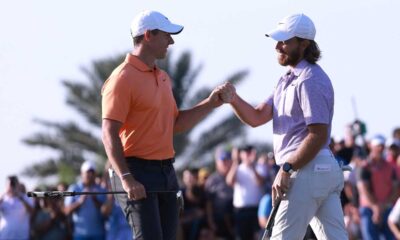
[147, 35]
[304, 44]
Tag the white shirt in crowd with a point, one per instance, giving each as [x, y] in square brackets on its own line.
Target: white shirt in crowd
[246, 191]
[14, 218]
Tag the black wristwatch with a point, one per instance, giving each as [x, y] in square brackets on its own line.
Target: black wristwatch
[287, 167]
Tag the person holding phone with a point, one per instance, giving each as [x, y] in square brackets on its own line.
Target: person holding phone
[15, 211]
[247, 179]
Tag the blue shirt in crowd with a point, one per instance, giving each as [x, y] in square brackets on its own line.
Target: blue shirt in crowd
[87, 220]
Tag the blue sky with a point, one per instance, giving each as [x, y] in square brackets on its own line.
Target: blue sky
[43, 42]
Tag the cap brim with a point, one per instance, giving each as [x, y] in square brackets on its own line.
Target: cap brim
[173, 29]
[279, 35]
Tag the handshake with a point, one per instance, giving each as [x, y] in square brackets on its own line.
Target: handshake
[224, 93]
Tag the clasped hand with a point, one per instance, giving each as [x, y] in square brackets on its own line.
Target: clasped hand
[224, 93]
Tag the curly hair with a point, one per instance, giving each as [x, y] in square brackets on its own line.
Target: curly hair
[312, 53]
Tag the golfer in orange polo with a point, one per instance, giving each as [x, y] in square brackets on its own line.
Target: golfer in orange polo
[140, 117]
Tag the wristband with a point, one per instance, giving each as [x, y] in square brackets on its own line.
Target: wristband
[125, 174]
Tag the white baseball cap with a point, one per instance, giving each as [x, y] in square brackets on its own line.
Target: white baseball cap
[296, 25]
[150, 20]
[87, 166]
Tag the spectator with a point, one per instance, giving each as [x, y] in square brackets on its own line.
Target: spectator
[396, 134]
[376, 184]
[393, 152]
[349, 147]
[268, 160]
[204, 173]
[247, 179]
[49, 222]
[88, 221]
[193, 216]
[220, 197]
[264, 210]
[116, 226]
[15, 210]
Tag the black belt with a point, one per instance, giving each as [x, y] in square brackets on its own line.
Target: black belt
[159, 162]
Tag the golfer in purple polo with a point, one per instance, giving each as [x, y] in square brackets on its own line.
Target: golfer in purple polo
[310, 180]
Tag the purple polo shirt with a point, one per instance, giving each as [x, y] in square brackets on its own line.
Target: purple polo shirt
[304, 99]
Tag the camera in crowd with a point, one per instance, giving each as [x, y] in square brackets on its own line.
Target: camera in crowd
[358, 128]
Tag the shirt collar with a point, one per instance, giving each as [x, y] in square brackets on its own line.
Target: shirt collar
[299, 67]
[138, 64]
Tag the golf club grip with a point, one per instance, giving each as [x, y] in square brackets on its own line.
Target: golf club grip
[271, 220]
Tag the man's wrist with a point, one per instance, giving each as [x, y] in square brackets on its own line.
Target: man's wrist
[234, 99]
[287, 168]
[125, 175]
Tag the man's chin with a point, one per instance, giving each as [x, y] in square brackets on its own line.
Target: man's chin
[162, 56]
[283, 62]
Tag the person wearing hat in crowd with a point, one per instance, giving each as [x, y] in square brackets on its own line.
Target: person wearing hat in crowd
[87, 219]
[377, 186]
[140, 116]
[219, 205]
[310, 180]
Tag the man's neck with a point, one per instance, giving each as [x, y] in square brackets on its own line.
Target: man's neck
[295, 64]
[142, 54]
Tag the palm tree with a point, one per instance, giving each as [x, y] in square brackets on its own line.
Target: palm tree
[75, 141]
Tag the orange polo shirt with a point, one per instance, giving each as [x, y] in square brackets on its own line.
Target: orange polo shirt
[141, 99]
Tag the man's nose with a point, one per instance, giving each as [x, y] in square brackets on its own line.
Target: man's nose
[171, 40]
[278, 46]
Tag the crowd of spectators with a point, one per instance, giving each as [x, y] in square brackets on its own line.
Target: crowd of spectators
[231, 200]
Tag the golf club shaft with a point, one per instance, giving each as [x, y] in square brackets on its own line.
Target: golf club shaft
[71, 194]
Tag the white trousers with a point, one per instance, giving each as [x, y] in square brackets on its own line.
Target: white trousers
[313, 198]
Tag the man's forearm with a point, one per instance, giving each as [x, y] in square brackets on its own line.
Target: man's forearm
[250, 115]
[72, 207]
[309, 148]
[187, 119]
[362, 187]
[231, 176]
[113, 146]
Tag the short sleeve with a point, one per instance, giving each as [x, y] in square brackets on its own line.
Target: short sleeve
[116, 97]
[270, 100]
[316, 101]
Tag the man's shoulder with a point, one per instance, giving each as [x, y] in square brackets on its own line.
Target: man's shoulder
[312, 71]
[125, 71]
[78, 186]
